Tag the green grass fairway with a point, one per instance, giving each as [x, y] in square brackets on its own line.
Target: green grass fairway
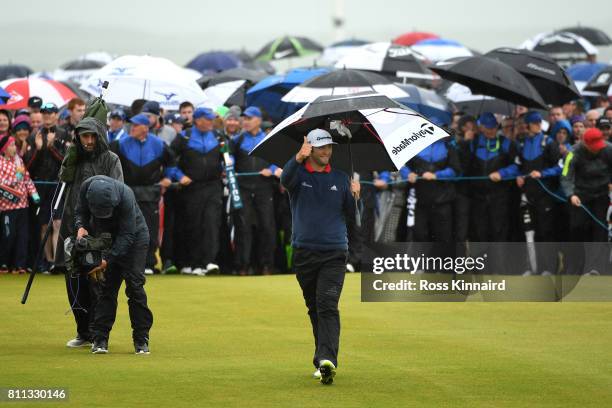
[246, 342]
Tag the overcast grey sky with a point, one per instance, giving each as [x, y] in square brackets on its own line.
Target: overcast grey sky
[44, 34]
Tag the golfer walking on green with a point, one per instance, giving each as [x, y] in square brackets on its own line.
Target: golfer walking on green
[322, 201]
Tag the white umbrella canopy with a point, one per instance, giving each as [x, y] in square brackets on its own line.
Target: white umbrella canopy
[564, 47]
[218, 94]
[389, 59]
[439, 49]
[144, 77]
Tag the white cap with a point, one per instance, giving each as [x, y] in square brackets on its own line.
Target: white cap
[319, 137]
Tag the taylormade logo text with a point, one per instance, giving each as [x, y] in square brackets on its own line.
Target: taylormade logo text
[426, 129]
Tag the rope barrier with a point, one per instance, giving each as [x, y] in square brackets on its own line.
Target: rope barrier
[458, 178]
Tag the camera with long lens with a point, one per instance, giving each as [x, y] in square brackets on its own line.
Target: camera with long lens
[85, 253]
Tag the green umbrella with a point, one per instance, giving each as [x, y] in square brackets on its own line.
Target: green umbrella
[288, 47]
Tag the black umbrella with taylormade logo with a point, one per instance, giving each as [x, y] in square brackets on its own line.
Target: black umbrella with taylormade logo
[543, 72]
[373, 132]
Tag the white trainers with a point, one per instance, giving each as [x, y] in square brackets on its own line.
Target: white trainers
[186, 270]
[317, 374]
[212, 268]
[78, 342]
[350, 268]
[148, 271]
[328, 372]
[199, 272]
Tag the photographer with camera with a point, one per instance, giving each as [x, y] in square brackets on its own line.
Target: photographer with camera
[109, 206]
[89, 156]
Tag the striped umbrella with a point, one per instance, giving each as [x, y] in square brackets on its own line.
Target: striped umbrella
[393, 61]
[21, 89]
[413, 37]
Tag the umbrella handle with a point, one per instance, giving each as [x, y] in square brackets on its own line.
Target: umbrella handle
[357, 211]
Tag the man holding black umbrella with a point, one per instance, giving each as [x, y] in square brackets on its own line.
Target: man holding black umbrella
[322, 200]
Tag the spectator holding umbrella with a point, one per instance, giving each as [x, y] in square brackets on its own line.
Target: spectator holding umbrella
[257, 194]
[539, 158]
[492, 156]
[199, 160]
[148, 168]
[16, 186]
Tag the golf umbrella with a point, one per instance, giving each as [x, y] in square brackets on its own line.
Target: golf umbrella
[4, 96]
[343, 82]
[547, 77]
[143, 77]
[268, 92]
[438, 49]
[488, 76]
[565, 48]
[594, 35]
[229, 87]
[336, 51]
[434, 107]
[384, 135]
[21, 89]
[413, 37]
[389, 59]
[14, 71]
[601, 83]
[234, 74]
[583, 72]
[287, 47]
[77, 70]
[214, 61]
[474, 104]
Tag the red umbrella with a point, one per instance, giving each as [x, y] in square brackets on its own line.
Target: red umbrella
[21, 89]
[413, 37]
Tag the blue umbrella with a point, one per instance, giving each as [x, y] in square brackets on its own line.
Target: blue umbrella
[267, 93]
[428, 103]
[584, 70]
[4, 96]
[214, 61]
